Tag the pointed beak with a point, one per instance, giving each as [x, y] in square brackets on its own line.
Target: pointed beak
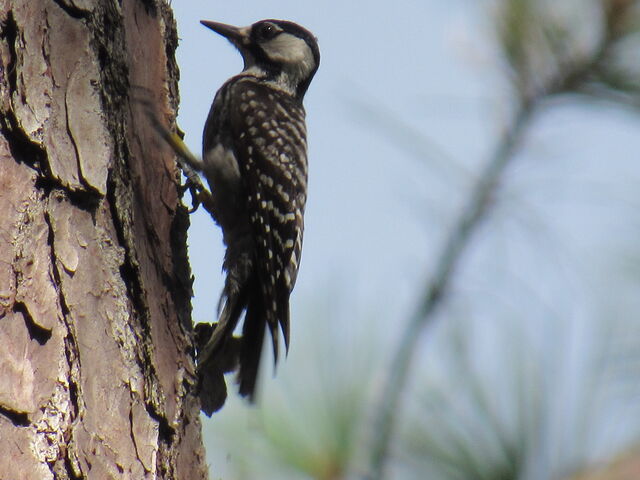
[236, 35]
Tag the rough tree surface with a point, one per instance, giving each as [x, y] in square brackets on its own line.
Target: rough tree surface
[96, 371]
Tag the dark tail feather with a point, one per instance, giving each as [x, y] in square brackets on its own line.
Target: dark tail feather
[283, 316]
[223, 329]
[251, 349]
[273, 329]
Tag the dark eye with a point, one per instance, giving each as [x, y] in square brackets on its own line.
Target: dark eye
[267, 31]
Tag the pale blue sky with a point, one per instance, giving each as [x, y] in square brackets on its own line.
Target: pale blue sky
[377, 210]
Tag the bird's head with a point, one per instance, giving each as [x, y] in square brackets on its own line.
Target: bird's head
[282, 52]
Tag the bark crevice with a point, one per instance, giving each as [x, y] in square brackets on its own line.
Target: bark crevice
[36, 332]
[19, 419]
[73, 10]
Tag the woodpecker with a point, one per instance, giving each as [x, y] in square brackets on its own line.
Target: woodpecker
[255, 161]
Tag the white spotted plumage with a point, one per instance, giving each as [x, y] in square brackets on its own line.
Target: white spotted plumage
[255, 156]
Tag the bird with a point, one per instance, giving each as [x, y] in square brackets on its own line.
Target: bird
[254, 158]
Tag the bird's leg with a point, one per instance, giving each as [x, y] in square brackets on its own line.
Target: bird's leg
[189, 163]
[192, 184]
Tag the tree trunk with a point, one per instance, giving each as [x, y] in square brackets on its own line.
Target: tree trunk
[96, 367]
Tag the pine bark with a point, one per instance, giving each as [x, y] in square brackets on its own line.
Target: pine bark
[96, 367]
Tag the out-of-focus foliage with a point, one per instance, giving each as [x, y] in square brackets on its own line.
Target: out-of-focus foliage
[314, 428]
[549, 55]
[574, 46]
[499, 422]
[523, 377]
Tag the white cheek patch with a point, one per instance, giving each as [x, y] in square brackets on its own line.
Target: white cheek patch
[289, 49]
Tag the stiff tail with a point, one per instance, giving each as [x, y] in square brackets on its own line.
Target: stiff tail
[223, 331]
[251, 348]
[249, 351]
